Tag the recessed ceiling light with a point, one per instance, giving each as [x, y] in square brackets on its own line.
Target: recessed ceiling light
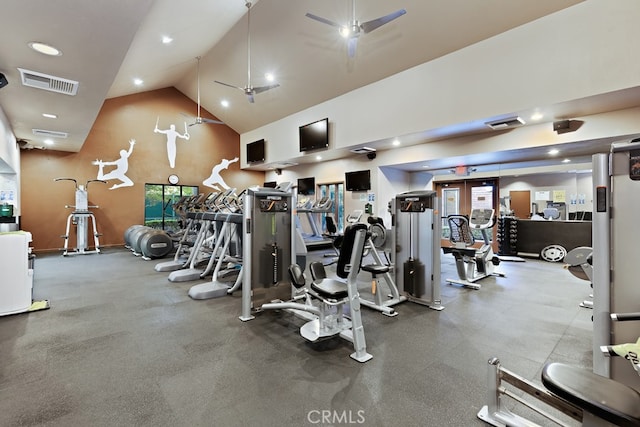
[425, 166]
[537, 116]
[396, 142]
[270, 77]
[166, 39]
[224, 103]
[138, 82]
[553, 151]
[45, 48]
[48, 141]
[49, 116]
[318, 157]
[566, 161]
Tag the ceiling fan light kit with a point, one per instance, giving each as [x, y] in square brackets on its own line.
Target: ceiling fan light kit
[351, 31]
[249, 90]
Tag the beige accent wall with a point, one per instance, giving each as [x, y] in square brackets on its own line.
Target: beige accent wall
[121, 119]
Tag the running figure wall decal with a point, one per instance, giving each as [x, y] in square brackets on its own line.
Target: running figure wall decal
[172, 134]
[122, 165]
[215, 179]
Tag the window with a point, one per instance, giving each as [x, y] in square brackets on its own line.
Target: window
[335, 191]
[158, 205]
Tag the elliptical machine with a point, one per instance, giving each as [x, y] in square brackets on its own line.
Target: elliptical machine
[472, 264]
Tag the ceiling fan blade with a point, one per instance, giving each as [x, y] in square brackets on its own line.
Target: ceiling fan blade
[216, 122]
[261, 89]
[227, 84]
[323, 20]
[352, 44]
[369, 26]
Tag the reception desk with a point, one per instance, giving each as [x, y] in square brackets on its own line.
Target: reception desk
[533, 236]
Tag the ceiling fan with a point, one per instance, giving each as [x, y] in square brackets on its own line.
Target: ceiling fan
[198, 120]
[249, 90]
[351, 31]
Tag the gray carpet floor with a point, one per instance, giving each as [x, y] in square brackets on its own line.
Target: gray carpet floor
[123, 346]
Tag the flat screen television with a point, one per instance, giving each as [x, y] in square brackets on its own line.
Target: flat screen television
[255, 151]
[270, 184]
[357, 180]
[306, 186]
[314, 135]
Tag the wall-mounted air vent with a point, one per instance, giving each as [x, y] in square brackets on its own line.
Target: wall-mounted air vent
[46, 82]
[507, 123]
[49, 133]
[363, 150]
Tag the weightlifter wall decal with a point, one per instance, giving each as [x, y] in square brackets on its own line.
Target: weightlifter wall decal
[215, 181]
[172, 134]
[122, 166]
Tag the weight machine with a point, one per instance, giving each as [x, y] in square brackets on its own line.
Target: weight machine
[80, 217]
[416, 243]
[616, 181]
[269, 240]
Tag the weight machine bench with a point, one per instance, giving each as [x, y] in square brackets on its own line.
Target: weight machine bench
[578, 393]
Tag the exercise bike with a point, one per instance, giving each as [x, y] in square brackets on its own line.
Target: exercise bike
[472, 264]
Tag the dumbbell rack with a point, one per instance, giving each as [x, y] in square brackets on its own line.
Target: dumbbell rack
[507, 236]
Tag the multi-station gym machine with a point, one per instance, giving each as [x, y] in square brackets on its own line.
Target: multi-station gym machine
[80, 217]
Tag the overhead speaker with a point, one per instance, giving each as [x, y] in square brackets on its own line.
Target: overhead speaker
[564, 126]
[3, 81]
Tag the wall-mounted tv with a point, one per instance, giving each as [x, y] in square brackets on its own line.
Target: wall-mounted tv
[314, 135]
[255, 151]
[306, 186]
[357, 180]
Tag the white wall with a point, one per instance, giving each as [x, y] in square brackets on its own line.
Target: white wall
[9, 163]
[575, 53]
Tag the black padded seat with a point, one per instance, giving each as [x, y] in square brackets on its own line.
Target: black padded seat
[605, 398]
[470, 252]
[330, 289]
[375, 269]
[318, 272]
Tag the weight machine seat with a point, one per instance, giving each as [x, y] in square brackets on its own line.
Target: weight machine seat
[376, 269]
[470, 252]
[318, 273]
[325, 288]
[330, 289]
[605, 398]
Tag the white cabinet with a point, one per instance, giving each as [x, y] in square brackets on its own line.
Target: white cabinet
[16, 278]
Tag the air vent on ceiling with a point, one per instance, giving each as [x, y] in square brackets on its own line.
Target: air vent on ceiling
[51, 83]
[363, 150]
[49, 133]
[507, 123]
